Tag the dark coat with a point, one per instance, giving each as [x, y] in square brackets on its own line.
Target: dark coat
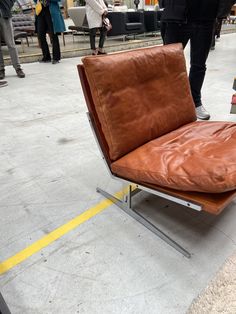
[57, 19]
[177, 10]
[5, 8]
[174, 10]
[224, 8]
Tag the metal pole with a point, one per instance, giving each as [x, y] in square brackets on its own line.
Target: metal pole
[3, 306]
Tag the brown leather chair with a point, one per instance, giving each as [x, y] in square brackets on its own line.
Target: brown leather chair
[142, 113]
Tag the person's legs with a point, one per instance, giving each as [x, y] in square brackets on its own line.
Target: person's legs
[214, 34]
[42, 31]
[201, 40]
[163, 30]
[92, 36]
[218, 27]
[102, 39]
[56, 52]
[7, 31]
[213, 42]
[2, 70]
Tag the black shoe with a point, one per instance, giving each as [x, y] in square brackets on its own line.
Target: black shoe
[44, 60]
[55, 61]
[20, 73]
[3, 83]
[2, 74]
[102, 53]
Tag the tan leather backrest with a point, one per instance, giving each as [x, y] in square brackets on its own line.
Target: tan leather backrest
[139, 95]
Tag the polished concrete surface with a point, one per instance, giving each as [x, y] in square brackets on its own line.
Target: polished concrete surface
[50, 167]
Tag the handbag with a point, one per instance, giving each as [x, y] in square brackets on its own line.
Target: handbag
[38, 8]
[106, 23]
[233, 104]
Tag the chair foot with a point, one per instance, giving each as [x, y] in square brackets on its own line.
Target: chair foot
[126, 207]
[112, 198]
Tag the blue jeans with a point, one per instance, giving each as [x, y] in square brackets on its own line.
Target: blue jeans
[200, 36]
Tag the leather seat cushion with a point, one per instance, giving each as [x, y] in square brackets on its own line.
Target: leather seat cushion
[133, 26]
[200, 156]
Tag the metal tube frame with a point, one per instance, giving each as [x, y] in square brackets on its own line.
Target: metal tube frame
[126, 203]
[3, 306]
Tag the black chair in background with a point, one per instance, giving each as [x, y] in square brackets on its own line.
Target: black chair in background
[126, 23]
[152, 21]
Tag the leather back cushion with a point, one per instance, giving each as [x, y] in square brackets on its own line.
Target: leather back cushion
[139, 95]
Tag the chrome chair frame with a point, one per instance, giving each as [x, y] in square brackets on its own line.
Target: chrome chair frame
[126, 203]
[3, 306]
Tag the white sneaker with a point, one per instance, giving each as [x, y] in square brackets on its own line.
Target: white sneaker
[202, 113]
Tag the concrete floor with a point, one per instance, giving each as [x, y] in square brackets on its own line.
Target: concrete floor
[50, 167]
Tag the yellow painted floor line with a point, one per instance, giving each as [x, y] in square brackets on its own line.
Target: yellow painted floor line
[55, 234]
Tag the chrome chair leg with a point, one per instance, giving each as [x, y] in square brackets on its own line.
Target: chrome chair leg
[3, 306]
[126, 206]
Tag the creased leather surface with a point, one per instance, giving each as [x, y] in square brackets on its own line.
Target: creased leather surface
[139, 95]
[200, 156]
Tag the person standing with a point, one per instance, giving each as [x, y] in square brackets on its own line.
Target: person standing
[95, 10]
[6, 33]
[50, 21]
[194, 21]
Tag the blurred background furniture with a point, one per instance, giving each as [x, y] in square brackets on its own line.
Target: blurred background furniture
[152, 21]
[24, 23]
[25, 6]
[233, 10]
[78, 16]
[23, 27]
[126, 23]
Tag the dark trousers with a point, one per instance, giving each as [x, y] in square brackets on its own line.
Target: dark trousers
[92, 34]
[216, 33]
[200, 36]
[44, 26]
